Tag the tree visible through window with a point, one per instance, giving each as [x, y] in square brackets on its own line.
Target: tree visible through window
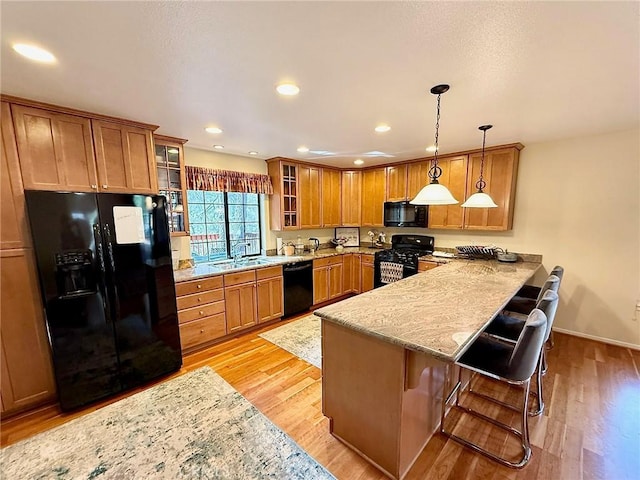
[223, 224]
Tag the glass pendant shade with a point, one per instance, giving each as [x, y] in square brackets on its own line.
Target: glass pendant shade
[479, 200]
[434, 194]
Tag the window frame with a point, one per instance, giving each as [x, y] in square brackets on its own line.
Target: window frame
[226, 221]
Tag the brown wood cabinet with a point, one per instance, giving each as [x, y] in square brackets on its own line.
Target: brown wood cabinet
[500, 173]
[351, 198]
[327, 279]
[201, 312]
[351, 273]
[374, 190]
[270, 292]
[396, 183]
[367, 272]
[454, 177]
[240, 300]
[125, 158]
[284, 201]
[26, 376]
[417, 177]
[310, 184]
[331, 197]
[55, 149]
[424, 265]
[172, 182]
[13, 229]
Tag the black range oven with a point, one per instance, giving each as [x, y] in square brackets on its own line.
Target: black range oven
[401, 260]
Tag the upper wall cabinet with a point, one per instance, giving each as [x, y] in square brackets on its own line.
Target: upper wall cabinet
[417, 177]
[500, 173]
[284, 201]
[309, 195]
[331, 197]
[172, 182]
[374, 190]
[13, 227]
[125, 158]
[55, 149]
[454, 177]
[351, 198]
[396, 183]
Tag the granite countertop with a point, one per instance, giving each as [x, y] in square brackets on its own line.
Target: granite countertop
[217, 268]
[439, 312]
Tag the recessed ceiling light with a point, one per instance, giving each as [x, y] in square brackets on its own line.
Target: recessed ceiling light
[382, 128]
[219, 147]
[358, 162]
[288, 89]
[34, 53]
[213, 130]
[431, 148]
[253, 152]
[303, 149]
[173, 150]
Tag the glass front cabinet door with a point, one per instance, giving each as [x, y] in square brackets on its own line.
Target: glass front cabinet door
[172, 182]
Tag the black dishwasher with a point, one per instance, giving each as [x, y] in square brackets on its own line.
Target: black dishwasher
[298, 287]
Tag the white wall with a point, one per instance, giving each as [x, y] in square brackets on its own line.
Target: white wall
[577, 204]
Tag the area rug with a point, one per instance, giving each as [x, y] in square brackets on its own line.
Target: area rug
[194, 426]
[302, 338]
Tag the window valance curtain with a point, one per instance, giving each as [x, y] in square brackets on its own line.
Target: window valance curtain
[199, 178]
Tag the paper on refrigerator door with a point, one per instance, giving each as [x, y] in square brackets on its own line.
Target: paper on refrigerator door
[128, 224]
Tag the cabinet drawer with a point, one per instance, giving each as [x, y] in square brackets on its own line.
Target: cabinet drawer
[240, 277]
[424, 265]
[200, 312]
[201, 285]
[189, 301]
[202, 331]
[325, 262]
[367, 258]
[269, 272]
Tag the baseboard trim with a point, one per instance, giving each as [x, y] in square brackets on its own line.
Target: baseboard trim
[632, 346]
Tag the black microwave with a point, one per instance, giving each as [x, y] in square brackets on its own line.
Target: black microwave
[403, 214]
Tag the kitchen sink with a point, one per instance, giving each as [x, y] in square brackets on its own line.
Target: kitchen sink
[244, 262]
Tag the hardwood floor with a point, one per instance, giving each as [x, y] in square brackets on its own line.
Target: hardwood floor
[589, 430]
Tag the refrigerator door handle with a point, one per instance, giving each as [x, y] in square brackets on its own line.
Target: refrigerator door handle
[99, 249]
[107, 232]
[112, 268]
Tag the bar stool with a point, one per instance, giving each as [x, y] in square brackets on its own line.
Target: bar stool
[510, 364]
[507, 329]
[528, 296]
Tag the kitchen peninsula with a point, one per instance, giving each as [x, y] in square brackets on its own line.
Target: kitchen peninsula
[386, 354]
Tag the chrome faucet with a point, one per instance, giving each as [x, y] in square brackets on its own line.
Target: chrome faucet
[234, 250]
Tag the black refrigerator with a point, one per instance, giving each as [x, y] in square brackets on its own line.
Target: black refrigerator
[106, 278]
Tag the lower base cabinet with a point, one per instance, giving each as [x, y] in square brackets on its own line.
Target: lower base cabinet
[327, 279]
[26, 376]
[367, 272]
[201, 311]
[240, 299]
[270, 291]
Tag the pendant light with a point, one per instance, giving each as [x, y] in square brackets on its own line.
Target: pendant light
[435, 193]
[481, 199]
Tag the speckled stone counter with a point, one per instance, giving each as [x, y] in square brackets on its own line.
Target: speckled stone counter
[438, 312]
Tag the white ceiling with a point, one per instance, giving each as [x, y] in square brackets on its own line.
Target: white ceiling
[536, 71]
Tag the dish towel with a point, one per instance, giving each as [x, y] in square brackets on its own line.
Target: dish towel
[390, 272]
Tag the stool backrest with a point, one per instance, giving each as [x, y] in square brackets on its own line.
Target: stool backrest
[526, 352]
[551, 283]
[548, 304]
[558, 271]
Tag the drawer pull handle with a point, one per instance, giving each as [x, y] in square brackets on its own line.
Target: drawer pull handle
[199, 286]
[201, 312]
[201, 330]
[199, 299]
